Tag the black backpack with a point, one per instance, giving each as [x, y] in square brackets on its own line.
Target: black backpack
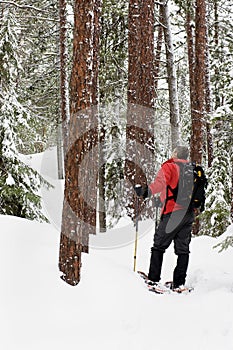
[190, 191]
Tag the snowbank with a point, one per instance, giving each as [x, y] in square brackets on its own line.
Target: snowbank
[111, 307]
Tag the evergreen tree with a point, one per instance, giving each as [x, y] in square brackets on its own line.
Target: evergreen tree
[216, 217]
[19, 184]
[112, 93]
[39, 79]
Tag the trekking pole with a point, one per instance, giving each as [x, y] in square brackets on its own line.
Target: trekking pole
[136, 234]
[157, 204]
[156, 217]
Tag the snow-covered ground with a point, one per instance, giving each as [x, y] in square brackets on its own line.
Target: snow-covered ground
[111, 307]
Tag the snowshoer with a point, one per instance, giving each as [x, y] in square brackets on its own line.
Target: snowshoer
[176, 220]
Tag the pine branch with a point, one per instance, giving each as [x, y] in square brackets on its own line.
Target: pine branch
[43, 18]
[22, 6]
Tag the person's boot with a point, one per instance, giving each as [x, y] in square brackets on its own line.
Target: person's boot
[180, 271]
[155, 265]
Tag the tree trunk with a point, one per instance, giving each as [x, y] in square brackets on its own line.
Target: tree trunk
[158, 50]
[199, 106]
[191, 54]
[64, 88]
[81, 167]
[171, 72]
[102, 162]
[60, 155]
[139, 166]
[208, 103]
[198, 69]
[217, 101]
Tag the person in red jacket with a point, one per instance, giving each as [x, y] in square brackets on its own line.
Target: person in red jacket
[176, 221]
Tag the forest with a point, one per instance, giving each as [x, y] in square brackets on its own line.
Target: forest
[114, 86]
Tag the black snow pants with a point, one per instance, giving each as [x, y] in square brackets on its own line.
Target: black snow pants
[177, 227]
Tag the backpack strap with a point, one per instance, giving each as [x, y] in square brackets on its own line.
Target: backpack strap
[173, 196]
[175, 190]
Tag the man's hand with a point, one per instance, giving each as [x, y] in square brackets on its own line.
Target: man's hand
[142, 191]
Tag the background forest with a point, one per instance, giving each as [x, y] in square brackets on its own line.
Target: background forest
[168, 65]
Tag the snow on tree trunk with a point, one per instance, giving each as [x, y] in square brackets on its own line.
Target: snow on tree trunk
[139, 165]
[191, 55]
[208, 103]
[102, 168]
[81, 163]
[64, 88]
[171, 72]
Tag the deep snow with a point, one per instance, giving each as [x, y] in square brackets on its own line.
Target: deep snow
[111, 307]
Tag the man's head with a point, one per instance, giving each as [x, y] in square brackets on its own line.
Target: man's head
[181, 152]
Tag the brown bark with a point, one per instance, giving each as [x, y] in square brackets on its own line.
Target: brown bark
[158, 51]
[62, 130]
[199, 84]
[139, 167]
[198, 105]
[81, 168]
[200, 96]
[63, 68]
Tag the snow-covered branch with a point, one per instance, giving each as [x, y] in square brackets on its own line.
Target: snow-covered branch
[22, 6]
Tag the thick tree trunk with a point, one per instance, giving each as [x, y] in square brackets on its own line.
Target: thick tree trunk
[81, 167]
[198, 73]
[199, 106]
[139, 167]
[171, 72]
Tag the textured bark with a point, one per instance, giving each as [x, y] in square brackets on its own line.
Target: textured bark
[171, 72]
[198, 71]
[139, 165]
[64, 89]
[81, 167]
[198, 105]
[158, 51]
[96, 44]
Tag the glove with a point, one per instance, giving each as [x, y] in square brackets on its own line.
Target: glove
[144, 192]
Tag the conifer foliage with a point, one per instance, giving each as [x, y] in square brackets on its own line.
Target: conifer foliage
[217, 216]
[19, 184]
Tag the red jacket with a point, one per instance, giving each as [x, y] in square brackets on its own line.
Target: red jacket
[167, 175]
